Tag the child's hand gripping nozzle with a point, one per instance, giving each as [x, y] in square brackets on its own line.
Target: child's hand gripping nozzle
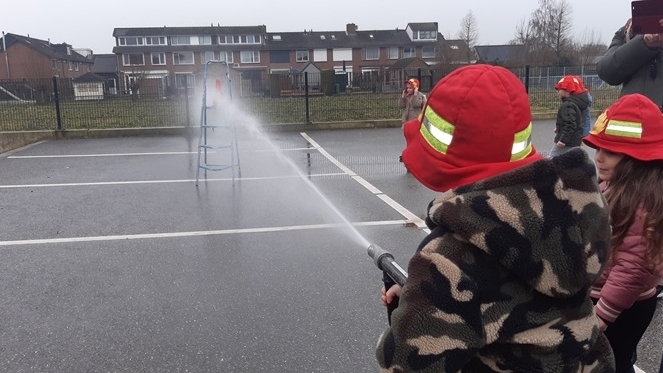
[392, 273]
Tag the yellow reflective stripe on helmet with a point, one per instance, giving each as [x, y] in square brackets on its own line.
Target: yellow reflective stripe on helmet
[522, 144]
[624, 129]
[437, 131]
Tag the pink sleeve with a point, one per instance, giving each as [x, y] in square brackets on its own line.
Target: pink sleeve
[629, 276]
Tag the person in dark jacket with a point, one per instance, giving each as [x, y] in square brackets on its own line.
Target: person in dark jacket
[501, 284]
[570, 116]
[635, 62]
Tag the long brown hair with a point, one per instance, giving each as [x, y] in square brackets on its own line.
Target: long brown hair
[637, 184]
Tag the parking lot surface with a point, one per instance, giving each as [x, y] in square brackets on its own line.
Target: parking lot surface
[113, 260]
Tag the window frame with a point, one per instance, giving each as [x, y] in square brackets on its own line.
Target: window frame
[123, 41]
[182, 53]
[406, 51]
[126, 59]
[302, 55]
[255, 57]
[162, 58]
[175, 39]
[365, 53]
[425, 49]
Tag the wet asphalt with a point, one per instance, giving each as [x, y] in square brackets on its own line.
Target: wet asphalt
[113, 260]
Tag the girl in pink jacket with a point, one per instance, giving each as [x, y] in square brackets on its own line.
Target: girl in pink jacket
[628, 138]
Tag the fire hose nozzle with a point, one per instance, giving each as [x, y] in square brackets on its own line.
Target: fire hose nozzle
[385, 261]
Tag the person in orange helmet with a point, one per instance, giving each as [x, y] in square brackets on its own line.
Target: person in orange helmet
[628, 138]
[570, 117]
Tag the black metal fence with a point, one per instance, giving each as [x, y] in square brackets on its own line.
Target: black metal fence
[50, 104]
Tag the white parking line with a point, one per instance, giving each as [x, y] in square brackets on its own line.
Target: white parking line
[18, 186]
[393, 204]
[194, 233]
[96, 155]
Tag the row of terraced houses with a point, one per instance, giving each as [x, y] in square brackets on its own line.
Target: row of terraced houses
[175, 56]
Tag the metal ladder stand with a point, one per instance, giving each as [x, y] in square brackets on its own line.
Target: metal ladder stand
[227, 138]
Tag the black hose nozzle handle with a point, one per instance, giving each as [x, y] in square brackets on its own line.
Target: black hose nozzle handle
[385, 261]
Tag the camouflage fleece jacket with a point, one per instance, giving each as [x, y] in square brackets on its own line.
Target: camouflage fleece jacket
[501, 283]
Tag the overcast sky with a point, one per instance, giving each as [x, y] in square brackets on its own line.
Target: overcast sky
[90, 24]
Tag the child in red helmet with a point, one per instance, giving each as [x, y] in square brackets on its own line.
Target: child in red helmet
[628, 138]
[570, 117]
[411, 101]
[501, 284]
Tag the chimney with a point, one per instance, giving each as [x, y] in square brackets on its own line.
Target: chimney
[351, 29]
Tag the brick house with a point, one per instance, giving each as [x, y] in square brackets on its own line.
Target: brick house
[173, 55]
[23, 57]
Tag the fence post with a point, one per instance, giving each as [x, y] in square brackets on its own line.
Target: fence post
[308, 118]
[56, 98]
[419, 75]
[186, 100]
[527, 79]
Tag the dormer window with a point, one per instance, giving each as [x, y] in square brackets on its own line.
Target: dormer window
[276, 37]
[333, 37]
[322, 37]
[424, 35]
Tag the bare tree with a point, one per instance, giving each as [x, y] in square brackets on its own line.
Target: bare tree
[469, 33]
[548, 32]
[524, 36]
[588, 46]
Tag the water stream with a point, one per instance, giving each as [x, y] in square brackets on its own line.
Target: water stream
[230, 112]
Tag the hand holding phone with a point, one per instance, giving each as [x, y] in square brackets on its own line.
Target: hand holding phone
[646, 16]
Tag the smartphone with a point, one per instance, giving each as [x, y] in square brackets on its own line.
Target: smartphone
[645, 16]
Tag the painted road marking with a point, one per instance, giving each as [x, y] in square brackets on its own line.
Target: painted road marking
[97, 155]
[164, 181]
[194, 233]
[388, 200]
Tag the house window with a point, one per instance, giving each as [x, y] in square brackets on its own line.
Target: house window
[54, 64]
[235, 39]
[249, 56]
[205, 40]
[180, 40]
[302, 56]
[250, 39]
[428, 52]
[424, 35]
[320, 55]
[228, 57]
[75, 66]
[393, 53]
[371, 53]
[182, 58]
[71, 65]
[208, 56]
[409, 52]
[342, 54]
[184, 80]
[157, 40]
[158, 58]
[281, 56]
[131, 41]
[133, 59]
